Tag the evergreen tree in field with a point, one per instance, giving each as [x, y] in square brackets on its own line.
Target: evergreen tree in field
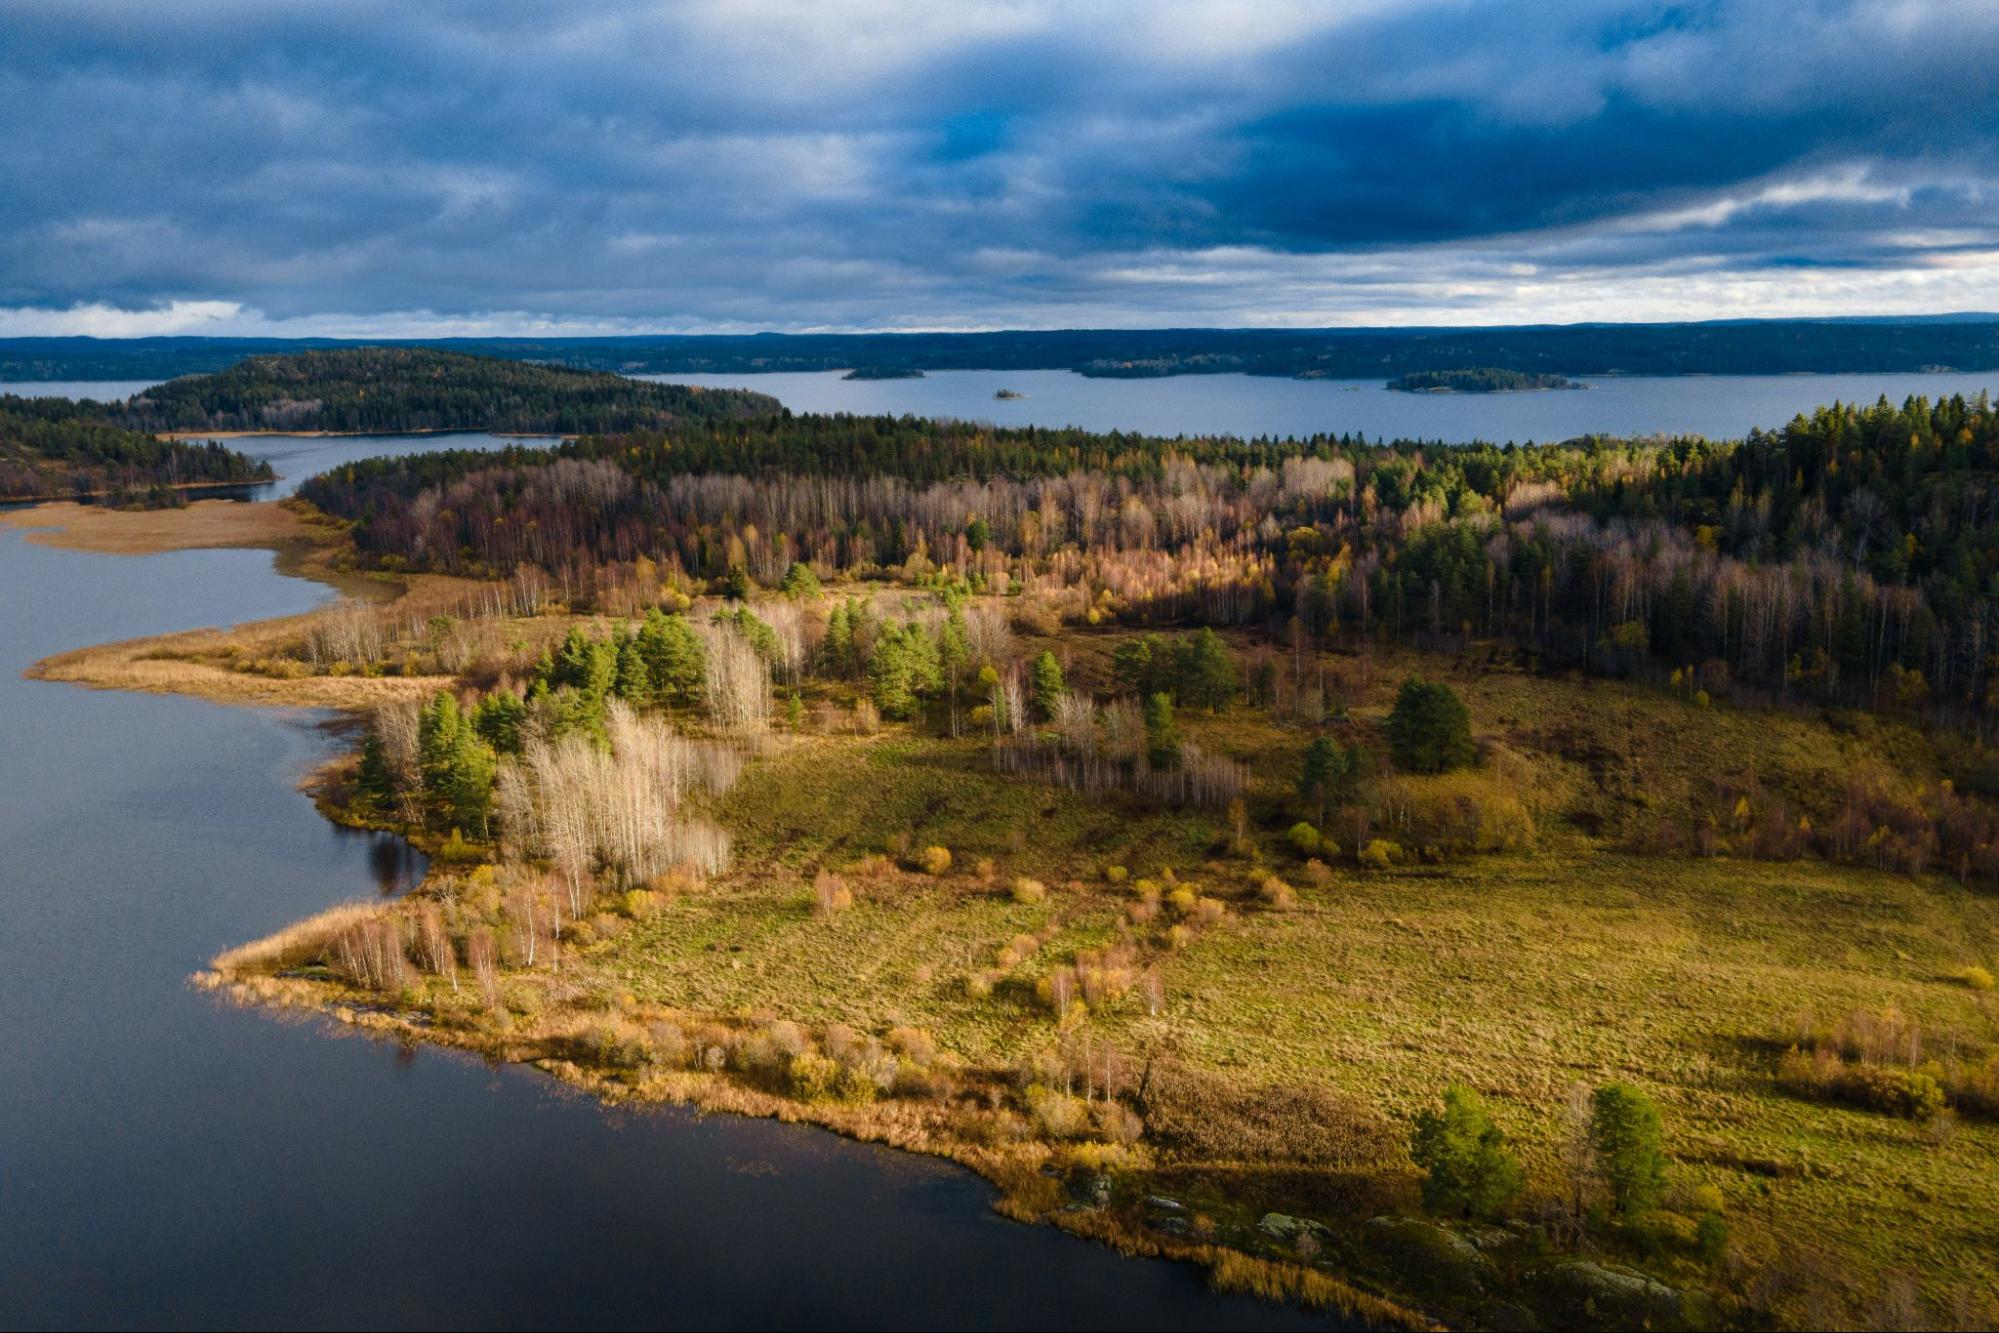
[457, 767]
[1207, 673]
[376, 783]
[497, 719]
[632, 683]
[1047, 685]
[1162, 739]
[1468, 1169]
[836, 650]
[1325, 775]
[799, 581]
[905, 667]
[676, 661]
[978, 534]
[1625, 1136]
[755, 630]
[1143, 665]
[1429, 730]
[588, 666]
[736, 585]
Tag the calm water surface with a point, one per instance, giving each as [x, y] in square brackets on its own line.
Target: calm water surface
[168, 1161]
[1248, 405]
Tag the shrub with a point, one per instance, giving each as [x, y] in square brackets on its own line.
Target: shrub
[1468, 1169]
[1276, 894]
[1057, 1114]
[1029, 890]
[1317, 873]
[1978, 978]
[1379, 854]
[1304, 839]
[1824, 1075]
[1115, 874]
[813, 1076]
[1711, 1238]
[830, 895]
[935, 860]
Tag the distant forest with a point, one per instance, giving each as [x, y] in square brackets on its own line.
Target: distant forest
[1849, 558]
[419, 389]
[52, 448]
[1482, 379]
[1767, 347]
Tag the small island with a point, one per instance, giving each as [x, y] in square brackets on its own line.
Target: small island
[1009, 393]
[883, 373]
[1481, 379]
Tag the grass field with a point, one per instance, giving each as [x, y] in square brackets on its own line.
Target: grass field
[1521, 974]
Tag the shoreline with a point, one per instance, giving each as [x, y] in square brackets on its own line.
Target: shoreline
[175, 664]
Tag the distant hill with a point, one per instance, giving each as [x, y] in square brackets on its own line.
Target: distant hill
[1731, 347]
[396, 389]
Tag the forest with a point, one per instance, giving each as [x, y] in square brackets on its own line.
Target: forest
[53, 449]
[407, 389]
[1744, 347]
[1482, 379]
[1845, 559]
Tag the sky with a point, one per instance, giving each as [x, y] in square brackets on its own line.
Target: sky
[370, 168]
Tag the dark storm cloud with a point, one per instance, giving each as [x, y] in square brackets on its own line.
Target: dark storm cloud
[872, 165]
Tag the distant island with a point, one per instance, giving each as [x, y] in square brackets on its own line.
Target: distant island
[1009, 393]
[883, 373]
[1480, 379]
[376, 390]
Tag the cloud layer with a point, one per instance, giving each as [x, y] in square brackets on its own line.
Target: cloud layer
[381, 168]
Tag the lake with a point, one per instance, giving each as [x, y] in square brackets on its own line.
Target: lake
[170, 1161]
[1720, 407]
[1250, 405]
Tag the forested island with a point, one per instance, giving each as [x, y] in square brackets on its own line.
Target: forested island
[1745, 347]
[1199, 838]
[406, 389]
[58, 449]
[1483, 379]
[883, 373]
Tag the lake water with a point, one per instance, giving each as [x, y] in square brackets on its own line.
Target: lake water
[104, 391]
[170, 1161]
[1719, 407]
[1249, 405]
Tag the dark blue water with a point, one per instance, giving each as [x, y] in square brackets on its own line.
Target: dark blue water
[169, 1161]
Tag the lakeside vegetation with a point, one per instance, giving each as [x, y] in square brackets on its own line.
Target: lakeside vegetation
[1498, 886]
[1482, 379]
[54, 449]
